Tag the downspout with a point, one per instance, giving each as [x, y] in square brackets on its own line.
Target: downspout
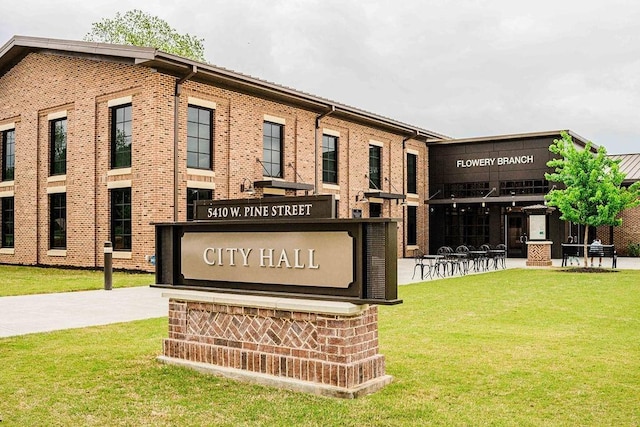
[37, 194]
[317, 159]
[176, 163]
[404, 191]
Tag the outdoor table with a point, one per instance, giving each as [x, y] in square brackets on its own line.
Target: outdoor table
[478, 258]
[434, 263]
[460, 259]
[497, 255]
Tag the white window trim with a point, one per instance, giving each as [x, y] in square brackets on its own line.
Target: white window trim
[120, 101]
[7, 126]
[414, 152]
[410, 203]
[7, 251]
[197, 102]
[330, 132]
[330, 187]
[201, 185]
[57, 189]
[122, 255]
[119, 171]
[201, 172]
[57, 252]
[376, 143]
[274, 119]
[125, 183]
[9, 193]
[57, 115]
[57, 178]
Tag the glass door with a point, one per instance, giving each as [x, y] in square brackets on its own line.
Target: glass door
[516, 235]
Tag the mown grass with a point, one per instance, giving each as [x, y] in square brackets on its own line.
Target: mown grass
[511, 348]
[21, 280]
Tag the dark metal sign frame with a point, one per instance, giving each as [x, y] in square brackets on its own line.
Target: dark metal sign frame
[374, 259]
[269, 208]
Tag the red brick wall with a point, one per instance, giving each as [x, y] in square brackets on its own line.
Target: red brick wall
[339, 351]
[628, 233]
[44, 83]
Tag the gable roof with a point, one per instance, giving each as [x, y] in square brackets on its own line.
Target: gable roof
[629, 165]
[183, 68]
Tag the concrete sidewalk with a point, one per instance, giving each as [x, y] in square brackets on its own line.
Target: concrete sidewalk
[28, 314]
[49, 312]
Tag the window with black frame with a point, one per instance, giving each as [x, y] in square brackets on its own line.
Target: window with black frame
[330, 159]
[375, 159]
[8, 154]
[7, 220]
[412, 225]
[375, 210]
[121, 231]
[412, 173]
[199, 137]
[121, 136]
[272, 149]
[58, 221]
[194, 195]
[58, 135]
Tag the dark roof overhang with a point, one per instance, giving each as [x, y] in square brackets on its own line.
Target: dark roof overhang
[283, 185]
[383, 195]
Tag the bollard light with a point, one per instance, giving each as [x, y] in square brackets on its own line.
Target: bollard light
[108, 267]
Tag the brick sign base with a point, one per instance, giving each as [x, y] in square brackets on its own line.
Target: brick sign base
[319, 347]
[539, 253]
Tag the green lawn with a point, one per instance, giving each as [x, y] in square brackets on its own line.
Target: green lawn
[21, 280]
[510, 348]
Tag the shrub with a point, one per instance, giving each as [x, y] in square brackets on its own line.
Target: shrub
[634, 249]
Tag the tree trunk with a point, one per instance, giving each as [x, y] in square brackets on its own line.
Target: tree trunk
[585, 242]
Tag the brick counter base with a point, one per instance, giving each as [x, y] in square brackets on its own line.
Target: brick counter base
[320, 347]
[539, 254]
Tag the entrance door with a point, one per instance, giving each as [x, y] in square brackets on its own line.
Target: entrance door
[516, 229]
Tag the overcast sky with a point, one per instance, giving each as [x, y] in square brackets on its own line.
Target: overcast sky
[461, 68]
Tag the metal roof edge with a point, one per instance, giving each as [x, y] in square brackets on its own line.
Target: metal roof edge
[147, 56]
[582, 141]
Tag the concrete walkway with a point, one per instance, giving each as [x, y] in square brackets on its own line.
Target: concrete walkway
[28, 314]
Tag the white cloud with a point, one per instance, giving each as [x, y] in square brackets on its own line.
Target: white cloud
[463, 68]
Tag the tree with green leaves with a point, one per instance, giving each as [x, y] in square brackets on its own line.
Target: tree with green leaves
[593, 194]
[137, 28]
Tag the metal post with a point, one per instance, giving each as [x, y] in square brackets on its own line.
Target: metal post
[108, 266]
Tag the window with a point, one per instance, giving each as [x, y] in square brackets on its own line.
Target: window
[58, 221]
[530, 186]
[374, 166]
[7, 216]
[272, 149]
[121, 219]
[375, 210]
[330, 159]
[466, 189]
[193, 195]
[412, 174]
[412, 225]
[8, 154]
[121, 136]
[199, 137]
[58, 135]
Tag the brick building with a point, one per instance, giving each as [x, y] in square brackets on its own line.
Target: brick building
[99, 141]
[629, 232]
